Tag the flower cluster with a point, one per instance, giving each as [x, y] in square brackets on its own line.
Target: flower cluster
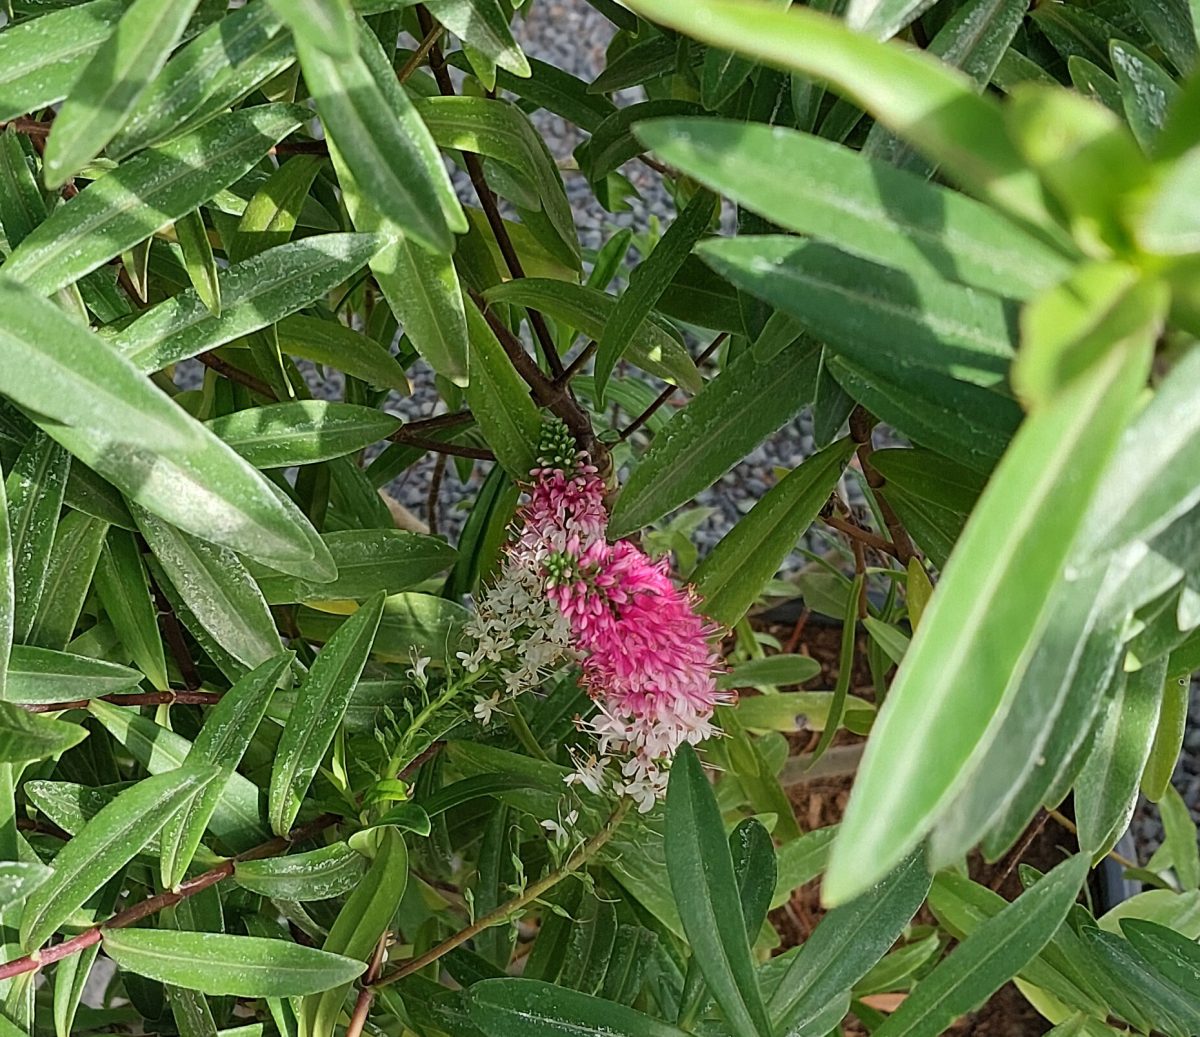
[646, 654]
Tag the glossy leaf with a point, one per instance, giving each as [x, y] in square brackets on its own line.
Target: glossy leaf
[732, 575]
[990, 956]
[124, 592]
[647, 282]
[222, 741]
[846, 944]
[367, 561]
[34, 489]
[861, 205]
[146, 193]
[314, 875]
[107, 843]
[335, 345]
[109, 85]
[254, 293]
[874, 316]
[484, 25]
[318, 710]
[517, 1007]
[1107, 789]
[364, 917]
[988, 609]
[218, 963]
[780, 669]
[500, 400]
[218, 590]
[41, 59]
[735, 412]
[1147, 90]
[26, 737]
[914, 95]
[69, 572]
[39, 675]
[237, 821]
[705, 889]
[206, 76]
[382, 140]
[302, 432]
[325, 24]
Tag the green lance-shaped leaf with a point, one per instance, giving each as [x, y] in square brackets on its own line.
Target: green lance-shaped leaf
[302, 432]
[20, 878]
[41, 59]
[735, 412]
[129, 431]
[124, 592]
[990, 956]
[254, 293]
[34, 488]
[875, 317]
[318, 710]
[1107, 790]
[521, 1007]
[25, 737]
[72, 564]
[237, 821]
[655, 347]
[648, 281]
[365, 916]
[861, 205]
[845, 946]
[779, 669]
[975, 39]
[218, 590]
[500, 400]
[145, 193]
[7, 597]
[327, 25]
[39, 675]
[271, 215]
[371, 121]
[706, 893]
[218, 963]
[198, 259]
[21, 205]
[207, 76]
[367, 560]
[315, 875]
[108, 842]
[500, 131]
[110, 84]
[952, 691]
[882, 19]
[484, 24]
[916, 96]
[1171, 953]
[1147, 90]
[734, 573]
[335, 345]
[222, 741]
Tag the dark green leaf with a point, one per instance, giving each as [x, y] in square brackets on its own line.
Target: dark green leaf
[382, 140]
[733, 574]
[991, 955]
[41, 59]
[222, 741]
[318, 711]
[38, 675]
[217, 963]
[530, 1008]
[302, 432]
[107, 843]
[862, 206]
[327, 25]
[315, 875]
[648, 281]
[706, 893]
[144, 194]
[69, 572]
[735, 412]
[124, 592]
[25, 737]
[110, 84]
